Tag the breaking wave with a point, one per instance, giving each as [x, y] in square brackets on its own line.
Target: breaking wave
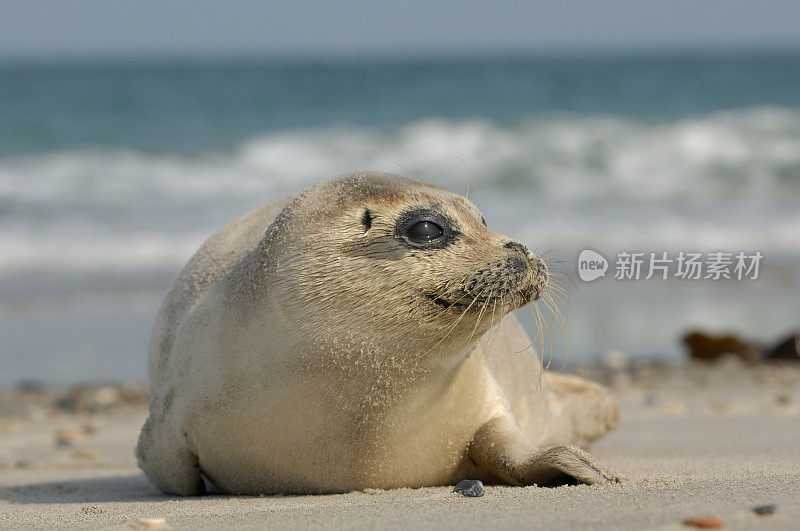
[123, 209]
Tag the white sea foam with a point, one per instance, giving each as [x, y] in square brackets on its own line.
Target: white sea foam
[726, 179]
[114, 252]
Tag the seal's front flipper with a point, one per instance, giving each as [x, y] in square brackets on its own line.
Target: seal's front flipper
[500, 448]
[565, 465]
[167, 461]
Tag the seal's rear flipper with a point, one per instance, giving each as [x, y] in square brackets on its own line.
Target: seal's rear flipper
[167, 461]
[585, 410]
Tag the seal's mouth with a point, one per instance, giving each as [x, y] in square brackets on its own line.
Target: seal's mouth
[507, 283]
[478, 304]
[466, 303]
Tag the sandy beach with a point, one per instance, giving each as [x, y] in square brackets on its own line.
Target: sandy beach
[695, 441]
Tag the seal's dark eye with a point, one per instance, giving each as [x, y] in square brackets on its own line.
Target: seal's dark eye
[424, 232]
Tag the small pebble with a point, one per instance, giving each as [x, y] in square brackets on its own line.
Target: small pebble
[706, 522]
[472, 488]
[151, 522]
[762, 510]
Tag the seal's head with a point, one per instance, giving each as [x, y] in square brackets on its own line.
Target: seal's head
[397, 258]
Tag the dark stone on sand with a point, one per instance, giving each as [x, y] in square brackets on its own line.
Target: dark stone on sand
[787, 349]
[763, 510]
[472, 488]
[705, 347]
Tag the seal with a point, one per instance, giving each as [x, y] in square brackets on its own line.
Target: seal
[358, 335]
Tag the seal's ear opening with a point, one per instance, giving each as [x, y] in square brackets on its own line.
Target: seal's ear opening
[366, 219]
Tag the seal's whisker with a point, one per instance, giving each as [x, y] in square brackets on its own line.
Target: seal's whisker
[530, 345]
[558, 292]
[480, 316]
[535, 322]
[446, 334]
[537, 317]
[409, 172]
[461, 281]
[546, 252]
[561, 275]
[563, 280]
[547, 326]
[556, 265]
[487, 301]
[469, 175]
[489, 334]
[493, 329]
[557, 285]
[539, 334]
[560, 295]
[562, 287]
[558, 289]
[557, 273]
[555, 311]
[550, 300]
[558, 277]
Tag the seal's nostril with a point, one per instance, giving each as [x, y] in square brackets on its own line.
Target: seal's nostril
[517, 246]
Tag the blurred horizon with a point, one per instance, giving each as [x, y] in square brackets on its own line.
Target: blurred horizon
[254, 58]
[207, 28]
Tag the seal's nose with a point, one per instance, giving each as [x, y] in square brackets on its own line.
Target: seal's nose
[517, 246]
[537, 268]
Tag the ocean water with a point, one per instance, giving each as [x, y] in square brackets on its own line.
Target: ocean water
[112, 174]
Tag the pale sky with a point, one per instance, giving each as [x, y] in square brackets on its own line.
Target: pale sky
[54, 28]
